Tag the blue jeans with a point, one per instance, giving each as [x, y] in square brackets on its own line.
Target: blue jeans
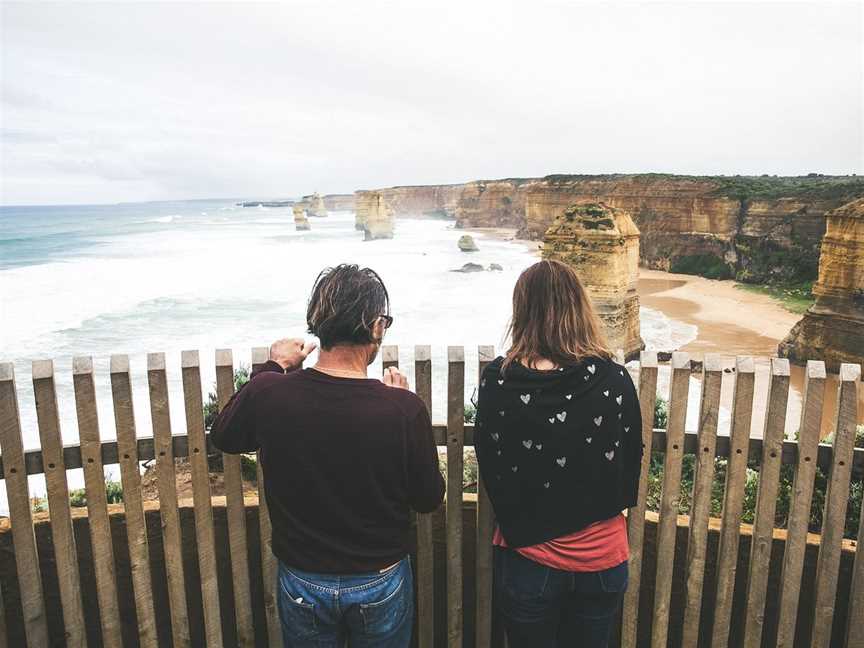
[544, 607]
[364, 610]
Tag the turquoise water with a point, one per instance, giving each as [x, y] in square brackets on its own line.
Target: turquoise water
[168, 276]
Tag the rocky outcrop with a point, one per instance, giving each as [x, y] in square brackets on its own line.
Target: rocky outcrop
[301, 223]
[374, 214]
[493, 203]
[833, 328]
[466, 243]
[602, 244]
[339, 202]
[315, 206]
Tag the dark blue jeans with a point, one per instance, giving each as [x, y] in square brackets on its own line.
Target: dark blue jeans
[544, 607]
[360, 610]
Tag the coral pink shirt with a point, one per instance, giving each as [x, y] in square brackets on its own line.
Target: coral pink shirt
[598, 546]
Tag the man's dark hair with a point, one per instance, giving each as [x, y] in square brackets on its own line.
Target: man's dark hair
[345, 302]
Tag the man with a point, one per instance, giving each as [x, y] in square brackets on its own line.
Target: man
[345, 459]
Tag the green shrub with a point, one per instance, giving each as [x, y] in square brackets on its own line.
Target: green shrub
[211, 407]
[470, 413]
[709, 266]
[661, 412]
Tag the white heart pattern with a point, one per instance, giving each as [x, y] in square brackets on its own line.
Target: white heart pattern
[498, 452]
[592, 368]
[569, 396]
[610, 454]
[598, 420]
[501, 412]
[606, 393]
[500, 382]
[515, 468]
[539, 446]
[619, 416]
[546, 485]
[528, 443]
[561, 461]
[586, 378]
[483, 383]
[552, 420]
[494, 436]
[619, 399]
[525, 398]
[626, 428]
[588, 439]
[562, 416]
[616, 444]
[621, 372]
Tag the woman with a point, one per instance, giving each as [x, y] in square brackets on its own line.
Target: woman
[559, 449]
[345, 458]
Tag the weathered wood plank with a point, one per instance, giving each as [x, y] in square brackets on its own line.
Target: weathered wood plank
[20, 514]
[172, 542]
[455, 446]
[700, 508]
[485, 529]
[636, 515]
[62, 535]
[766, 502]
[671, 495]
[260, 355]
[194, 405]
[733, 499]
[130, 477]
[97, 500]
[236, 512]
[389, 356]
[802, 494]
[836, 501]
[425, 556]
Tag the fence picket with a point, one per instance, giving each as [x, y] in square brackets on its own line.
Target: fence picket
[20, 514]
[836, 501]
[166, 484]
[671, 495]
[455, 446]
[485, 529]
[97, 500]
[425, 556]
[733, 499]
[636, 515]
[235, 511]
[194, 406]
[766, 502]
[800, 500]
[260, 356]
[62, 534]
[700, 508]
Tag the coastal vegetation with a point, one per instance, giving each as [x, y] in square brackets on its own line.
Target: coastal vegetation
[796, 298]
[709, 266]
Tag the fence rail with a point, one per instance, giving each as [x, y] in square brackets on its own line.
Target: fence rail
[840, 460]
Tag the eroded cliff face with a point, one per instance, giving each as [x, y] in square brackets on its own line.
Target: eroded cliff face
[431, 201]
[339, 202]
[373, 215]
[496, 203]
[602, 244]
[314, 205]
[833, 328]
[301, 223]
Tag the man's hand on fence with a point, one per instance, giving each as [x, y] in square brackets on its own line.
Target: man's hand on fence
[290, 353]
[395, 378]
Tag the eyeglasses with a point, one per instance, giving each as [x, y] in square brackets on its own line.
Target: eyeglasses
[388, 321]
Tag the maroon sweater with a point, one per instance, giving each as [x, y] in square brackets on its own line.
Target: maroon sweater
[344, 461]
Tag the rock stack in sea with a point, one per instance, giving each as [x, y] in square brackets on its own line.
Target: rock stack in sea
[300, 221]
[602, 244]
[315, 206]
[373, 215]
[467, 244]
[833, 328]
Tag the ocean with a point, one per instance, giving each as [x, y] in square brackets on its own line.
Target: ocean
[135, 278]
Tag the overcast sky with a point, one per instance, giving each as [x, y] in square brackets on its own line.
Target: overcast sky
[144, 101]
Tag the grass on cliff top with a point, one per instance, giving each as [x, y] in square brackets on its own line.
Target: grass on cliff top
[795, 298]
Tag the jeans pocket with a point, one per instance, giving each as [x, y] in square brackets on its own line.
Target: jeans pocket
[614, 580]
[389, 603]
[296, 611]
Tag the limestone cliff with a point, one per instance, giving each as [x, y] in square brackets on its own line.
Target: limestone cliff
[375, 215]
[833, 328]
[496, 203]
[301, 223]
[339, 202]
[315, 206]
[431, 201]
[602, 244]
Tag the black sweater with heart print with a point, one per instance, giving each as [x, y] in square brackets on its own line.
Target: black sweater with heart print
[559, 449]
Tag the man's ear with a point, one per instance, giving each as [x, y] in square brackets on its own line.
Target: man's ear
[378, 330]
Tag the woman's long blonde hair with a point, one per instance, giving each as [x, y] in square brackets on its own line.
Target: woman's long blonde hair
[553, 318]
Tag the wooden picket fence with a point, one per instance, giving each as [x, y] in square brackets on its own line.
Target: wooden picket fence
[92, 453]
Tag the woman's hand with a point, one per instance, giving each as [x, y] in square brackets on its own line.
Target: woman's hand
[395, 378]
[290, 353]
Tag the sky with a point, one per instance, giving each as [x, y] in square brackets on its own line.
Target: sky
[115, 102]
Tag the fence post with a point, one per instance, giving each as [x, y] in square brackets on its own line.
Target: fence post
[485, 528]
[636, 515]
[235, 511]
[733, 499]
[671, 495]
[20, 514]
[194, 406]
[836, 500]
[425, 555]
[455, 446]
[802, 494]
[58, 503]
[268, 560]
[700, 507]
[166, 484]
[766, 502]
[97, 501]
